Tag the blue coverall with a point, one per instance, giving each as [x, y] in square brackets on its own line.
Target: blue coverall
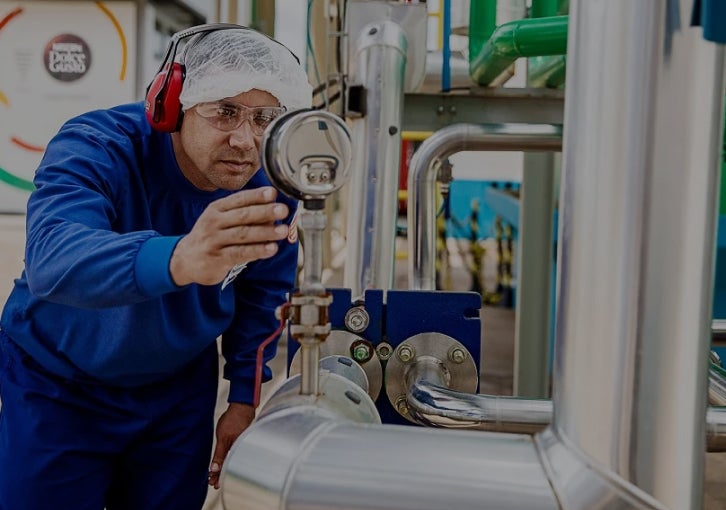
[108, 370]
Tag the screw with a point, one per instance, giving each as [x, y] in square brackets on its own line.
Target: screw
[384, 351]
[458, 355]
[405, 353]
[402, 405]
[357, 319]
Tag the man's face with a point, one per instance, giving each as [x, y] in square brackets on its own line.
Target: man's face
[214, 158]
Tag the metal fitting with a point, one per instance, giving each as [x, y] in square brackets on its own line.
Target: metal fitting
[361, 350]
[357, 319]
[458, 355]
[384, 351]
[405, 353]
[402, 405]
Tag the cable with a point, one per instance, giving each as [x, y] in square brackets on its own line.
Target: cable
[260, 353]
[310, 48]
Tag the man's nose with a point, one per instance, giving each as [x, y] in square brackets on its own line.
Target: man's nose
[242, 137]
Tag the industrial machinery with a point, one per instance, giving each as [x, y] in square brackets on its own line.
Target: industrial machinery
[376, 374]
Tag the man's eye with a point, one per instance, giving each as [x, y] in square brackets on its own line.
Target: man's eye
[263, 118]
[228, 112]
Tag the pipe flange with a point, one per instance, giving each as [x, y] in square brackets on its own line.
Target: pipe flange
[345, 343]
[457, 367]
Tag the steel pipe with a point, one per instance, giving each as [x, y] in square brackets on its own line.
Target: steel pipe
[437, 406]
[304, 460]
[634, 298]
[373, 188]
[434, 405]
[422, 181]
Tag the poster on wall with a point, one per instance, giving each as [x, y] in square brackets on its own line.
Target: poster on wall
[59, 59]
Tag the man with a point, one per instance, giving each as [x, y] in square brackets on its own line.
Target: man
[143, 247]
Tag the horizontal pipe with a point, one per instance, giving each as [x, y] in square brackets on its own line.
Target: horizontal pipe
[422, 180]
[432, 404]
[535, 37]
[436, 406]
[302, 460]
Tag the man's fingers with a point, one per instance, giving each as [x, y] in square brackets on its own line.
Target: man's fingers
[252, 234]
[253, 215]
[247, 197]
[215, 467]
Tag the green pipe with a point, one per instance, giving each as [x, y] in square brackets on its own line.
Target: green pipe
[482, 22]
[543, 8]
[510, 41]
[546, 71]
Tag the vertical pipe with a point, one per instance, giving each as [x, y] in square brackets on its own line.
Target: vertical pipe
[312, 222]
[534, 277]
[637, 232]
[543, 8]
[446, 49]
[482, 22]
[373, 198]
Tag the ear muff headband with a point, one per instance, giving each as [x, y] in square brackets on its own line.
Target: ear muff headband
[162, 106]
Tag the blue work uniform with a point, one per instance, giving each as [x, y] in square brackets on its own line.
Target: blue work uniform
[108, 369]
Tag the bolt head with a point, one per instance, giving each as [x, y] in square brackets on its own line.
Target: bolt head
[405, 353]
[458, 355]
[361, 353]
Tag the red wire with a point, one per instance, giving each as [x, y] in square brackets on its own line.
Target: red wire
[260, 352]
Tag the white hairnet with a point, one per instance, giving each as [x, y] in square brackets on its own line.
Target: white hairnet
[225, 63]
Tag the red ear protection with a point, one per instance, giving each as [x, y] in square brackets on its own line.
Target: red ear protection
[162, 106]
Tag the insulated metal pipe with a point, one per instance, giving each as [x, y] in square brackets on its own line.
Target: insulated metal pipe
[437, 406]
[373, 187]
[422, 181]
[434, 405]
[643, 133]
[305, 460]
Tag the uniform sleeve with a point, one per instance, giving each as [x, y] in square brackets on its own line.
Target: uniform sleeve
[261, 288]
[73, 253]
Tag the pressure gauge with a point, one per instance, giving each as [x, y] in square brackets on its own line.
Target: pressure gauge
[307, 154]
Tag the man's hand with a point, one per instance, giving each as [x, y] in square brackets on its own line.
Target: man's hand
[231, 424]
[233, 230]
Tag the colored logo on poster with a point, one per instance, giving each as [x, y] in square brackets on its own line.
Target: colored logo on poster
[67, 57]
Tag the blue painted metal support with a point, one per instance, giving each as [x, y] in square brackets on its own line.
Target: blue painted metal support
[407, 313]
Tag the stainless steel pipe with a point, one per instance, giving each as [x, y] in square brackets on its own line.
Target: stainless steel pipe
[637, 241]
[422, 181]
[436, 406]
[373, 188]
[304, 460]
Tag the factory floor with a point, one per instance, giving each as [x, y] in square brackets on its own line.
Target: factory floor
[497, 343]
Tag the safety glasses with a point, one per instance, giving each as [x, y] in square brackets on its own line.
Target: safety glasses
[228, 116]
